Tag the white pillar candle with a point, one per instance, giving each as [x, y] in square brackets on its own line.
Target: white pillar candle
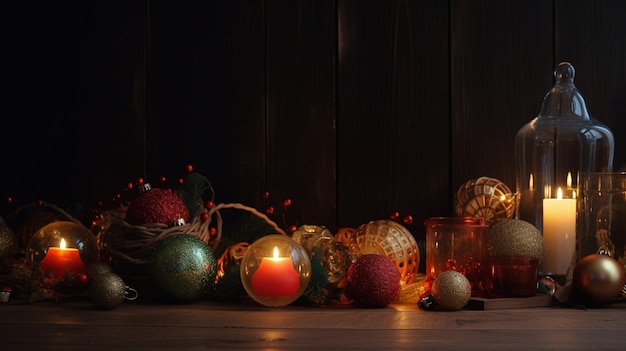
[559, 233]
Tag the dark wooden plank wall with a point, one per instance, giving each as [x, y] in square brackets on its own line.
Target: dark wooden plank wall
[351, 109]
[592, 35]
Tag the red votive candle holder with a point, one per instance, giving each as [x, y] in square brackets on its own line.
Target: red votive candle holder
[512, 276]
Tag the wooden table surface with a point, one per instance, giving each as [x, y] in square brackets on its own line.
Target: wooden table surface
[208, 325]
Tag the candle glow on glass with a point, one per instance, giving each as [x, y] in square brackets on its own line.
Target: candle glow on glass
[61, 260]
[559, 233]
[275, 277]
[569, 180]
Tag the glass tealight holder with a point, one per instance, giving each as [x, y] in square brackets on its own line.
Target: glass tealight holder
[512, 276]
[275, 270]
[458, 244]
[601, 226]
[62, 248]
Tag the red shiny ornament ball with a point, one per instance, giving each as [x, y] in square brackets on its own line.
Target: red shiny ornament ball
[210, 204]
[189, 168]
[599, 278]
[373, 281]
[394, 216]
[266, 195]
[269, 210]
[156, 206]
[287, 202]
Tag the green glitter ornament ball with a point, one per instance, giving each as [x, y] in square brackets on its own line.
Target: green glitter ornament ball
[182, 268]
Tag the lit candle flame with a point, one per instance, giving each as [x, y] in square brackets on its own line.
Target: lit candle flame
[531, 183]
[63, 245]
[275, 252]
[559, 194]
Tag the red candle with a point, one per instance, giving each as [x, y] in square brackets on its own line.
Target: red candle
[275, 277]
[61, 260]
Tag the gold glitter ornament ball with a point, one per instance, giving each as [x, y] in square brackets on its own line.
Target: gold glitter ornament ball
[97, 268]
[107, 290]
[515, 237]
[9, 245]
[451, 290]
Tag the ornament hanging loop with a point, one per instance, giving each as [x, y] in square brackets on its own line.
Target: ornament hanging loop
[130, 293]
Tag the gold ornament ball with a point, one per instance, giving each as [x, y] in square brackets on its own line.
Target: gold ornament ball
[599, 278]
[107, 290]
[485, 197]
[9, 244]
[515, 237]
[451, 290]
[97, 268]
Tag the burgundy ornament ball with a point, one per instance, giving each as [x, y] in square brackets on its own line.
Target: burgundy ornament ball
[373, 280]
[156, 206]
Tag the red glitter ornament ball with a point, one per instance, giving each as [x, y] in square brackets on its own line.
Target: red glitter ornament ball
[373, 281]
[156, 206]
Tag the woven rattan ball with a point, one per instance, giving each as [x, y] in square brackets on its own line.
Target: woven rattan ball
[391, 239]
[485, 197]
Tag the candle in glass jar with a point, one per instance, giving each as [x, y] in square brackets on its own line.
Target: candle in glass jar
[61, 260]
[275, 277]
[559, 233]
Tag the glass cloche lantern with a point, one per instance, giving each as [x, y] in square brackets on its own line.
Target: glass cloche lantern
[552, 151]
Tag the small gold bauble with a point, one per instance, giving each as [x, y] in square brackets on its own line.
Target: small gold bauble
[599, 278]
[451, 290]
[515, 237]
[107, 290]
[96, 268]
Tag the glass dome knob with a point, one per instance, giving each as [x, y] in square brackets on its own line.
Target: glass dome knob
[564, 100]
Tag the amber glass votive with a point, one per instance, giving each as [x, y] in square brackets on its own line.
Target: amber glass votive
[512, 276]
[458, 244]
